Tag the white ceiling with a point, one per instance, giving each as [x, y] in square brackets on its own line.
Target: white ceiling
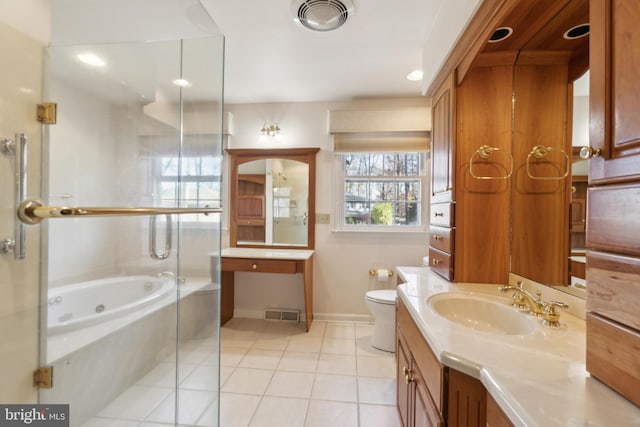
[270, 58]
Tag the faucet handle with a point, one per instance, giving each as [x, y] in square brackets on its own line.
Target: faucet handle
[558, 304]
[551, 315]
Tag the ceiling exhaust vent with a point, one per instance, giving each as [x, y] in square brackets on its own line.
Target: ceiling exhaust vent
[322, 15]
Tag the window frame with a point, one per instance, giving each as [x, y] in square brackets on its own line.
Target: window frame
[340, 179]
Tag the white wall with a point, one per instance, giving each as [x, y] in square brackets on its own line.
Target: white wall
[342, 259]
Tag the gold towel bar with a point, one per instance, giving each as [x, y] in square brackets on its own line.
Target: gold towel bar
[33, 212]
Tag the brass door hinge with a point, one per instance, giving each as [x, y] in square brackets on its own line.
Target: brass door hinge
[47, 113]
[43, 377]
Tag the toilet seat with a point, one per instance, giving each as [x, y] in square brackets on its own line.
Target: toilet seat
[384, 296]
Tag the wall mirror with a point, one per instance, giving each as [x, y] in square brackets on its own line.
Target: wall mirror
[272, 197]
[550, 55]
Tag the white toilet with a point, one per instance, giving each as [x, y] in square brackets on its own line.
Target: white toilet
[381, 305]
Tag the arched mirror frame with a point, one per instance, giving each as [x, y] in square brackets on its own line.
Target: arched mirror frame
[240, 156]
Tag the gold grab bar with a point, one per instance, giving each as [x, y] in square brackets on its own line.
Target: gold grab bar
[484, 152]
[539, 151]
[33, 212]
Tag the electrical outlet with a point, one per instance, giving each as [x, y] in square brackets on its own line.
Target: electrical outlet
[323, 218]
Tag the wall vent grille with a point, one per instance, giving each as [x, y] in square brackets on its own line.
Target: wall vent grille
[282, 314]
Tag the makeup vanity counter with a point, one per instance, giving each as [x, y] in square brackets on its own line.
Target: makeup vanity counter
[265, 260]
[536, 379]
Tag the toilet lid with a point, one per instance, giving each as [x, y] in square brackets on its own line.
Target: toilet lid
[385, 296]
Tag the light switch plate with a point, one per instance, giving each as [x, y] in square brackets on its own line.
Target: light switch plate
[323, 218]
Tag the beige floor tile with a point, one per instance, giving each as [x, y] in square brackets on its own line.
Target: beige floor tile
[323, 413]
[341, 388]
[272, 341]
[381, 391]
[291, 384]
[379, 416]
[305, 343]
[338, 346]
[340, 330]
[248, 381]
[262, 359]
[298, 361]
[280, 412]
[236, 410]
[383, 367]
[136, 403]
[337, 364]
[231, 356]
[364, 348]
[202, 378]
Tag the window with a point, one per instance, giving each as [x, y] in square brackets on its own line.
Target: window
[381, 191]
[194, 182]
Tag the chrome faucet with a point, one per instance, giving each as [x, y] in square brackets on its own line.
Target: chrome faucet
[523, 300]
[172, 275]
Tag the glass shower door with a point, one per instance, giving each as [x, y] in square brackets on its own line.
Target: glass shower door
[132, 195]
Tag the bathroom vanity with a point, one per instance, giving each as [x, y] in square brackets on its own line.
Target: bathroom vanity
[265, 260]
[511, 370]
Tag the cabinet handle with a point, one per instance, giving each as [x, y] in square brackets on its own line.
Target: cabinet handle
[438, 214]
[437, 237]
[407, 375]
[254, 266]
[436, 261]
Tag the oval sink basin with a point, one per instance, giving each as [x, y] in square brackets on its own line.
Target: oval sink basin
[482, 314]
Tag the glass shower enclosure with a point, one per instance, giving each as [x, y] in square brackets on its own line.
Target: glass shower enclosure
[130, 220]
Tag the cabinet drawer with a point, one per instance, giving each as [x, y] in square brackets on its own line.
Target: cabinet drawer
[442, 214]
[441, 263]
[259, 265]
[613, 288]
[432, 372]
[614, 223]
[441, 238]
[612, 351]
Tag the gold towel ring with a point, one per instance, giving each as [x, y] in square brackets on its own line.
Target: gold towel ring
[538, 152]
[484, 152]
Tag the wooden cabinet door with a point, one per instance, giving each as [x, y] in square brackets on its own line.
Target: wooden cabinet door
[424, 411]
[615, 94]
[442, 143]
[403, 359]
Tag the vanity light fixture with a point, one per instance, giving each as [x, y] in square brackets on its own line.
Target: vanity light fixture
[91, 59]
[270, 130]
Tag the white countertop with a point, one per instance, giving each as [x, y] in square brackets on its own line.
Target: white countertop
[537, 379]
[267, 253]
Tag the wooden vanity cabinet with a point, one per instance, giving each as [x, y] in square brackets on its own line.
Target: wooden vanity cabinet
[613, 198]
[472, 212]
[429, 393]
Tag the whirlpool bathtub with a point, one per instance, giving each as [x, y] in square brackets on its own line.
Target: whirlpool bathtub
[77, 306]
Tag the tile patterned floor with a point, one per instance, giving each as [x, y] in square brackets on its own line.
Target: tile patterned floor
[275, 374]
[271, 374]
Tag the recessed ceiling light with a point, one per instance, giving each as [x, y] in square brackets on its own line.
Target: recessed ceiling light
[577, 32]
[500, 34]
[182, 83]
[92, 59]
[415, 75]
